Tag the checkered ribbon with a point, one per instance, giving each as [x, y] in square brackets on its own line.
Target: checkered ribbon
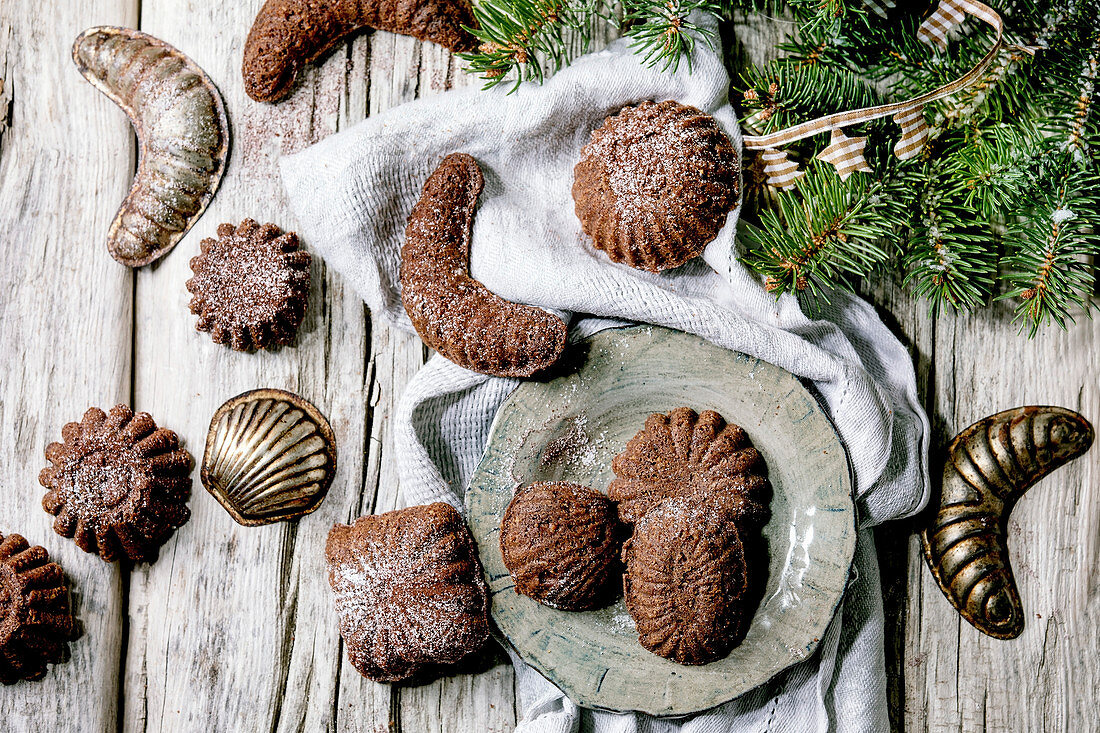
[914, 133]
[880, 8]
[781, 172]
[847, 153]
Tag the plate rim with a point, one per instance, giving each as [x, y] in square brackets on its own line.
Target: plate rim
[850, 539]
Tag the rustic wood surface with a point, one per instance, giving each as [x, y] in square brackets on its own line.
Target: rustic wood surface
[232, 629]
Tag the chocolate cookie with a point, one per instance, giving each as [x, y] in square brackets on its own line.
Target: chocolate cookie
[453, 313]
[686, 580]
[560, 542]
[251, 286]
[685, 453]
[288, 34]
[36, 624]
[118, 484]
[655, 184]
[409, 591]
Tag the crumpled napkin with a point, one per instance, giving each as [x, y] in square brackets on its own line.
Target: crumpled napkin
[352, 193]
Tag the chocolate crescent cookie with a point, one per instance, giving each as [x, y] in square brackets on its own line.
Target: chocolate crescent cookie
[36, 623]
[251, 286]
[453, 313]
[687, 580]
[560, 542]
[409, 591]
[655, 184]
[118, 484]
[686, 453]
[288, 34]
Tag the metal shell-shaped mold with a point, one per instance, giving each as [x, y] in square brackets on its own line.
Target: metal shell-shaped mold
[270, 456]
[988, 468]
[183, 136]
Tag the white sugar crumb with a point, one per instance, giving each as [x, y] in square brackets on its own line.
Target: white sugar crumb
[622, 621]
[1060, 216]
[575, 447]
[386, 599]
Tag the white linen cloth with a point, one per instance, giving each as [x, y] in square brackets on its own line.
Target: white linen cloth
[352, 193]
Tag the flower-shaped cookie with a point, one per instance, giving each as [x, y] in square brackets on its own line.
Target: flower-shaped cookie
[35, 621]
[118, 484]
[251, 286]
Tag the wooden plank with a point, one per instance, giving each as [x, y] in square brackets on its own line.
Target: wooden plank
[233, 629]
[65, 321]
[1047, 678]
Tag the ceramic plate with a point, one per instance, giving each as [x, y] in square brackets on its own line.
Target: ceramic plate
[570, 427]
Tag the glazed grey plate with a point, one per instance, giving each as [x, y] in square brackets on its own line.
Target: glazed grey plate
[569, 428]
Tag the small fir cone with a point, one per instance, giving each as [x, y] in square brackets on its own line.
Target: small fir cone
[118, 484]
[251, 286]
[36, 623]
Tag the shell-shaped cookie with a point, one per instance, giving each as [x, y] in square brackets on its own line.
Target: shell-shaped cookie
[270, 456]
[687, 580]
[183, 136]
[560, 542]
[685, 453]
[655, 184]
[989, 466]
[409, 591]
[453, 313]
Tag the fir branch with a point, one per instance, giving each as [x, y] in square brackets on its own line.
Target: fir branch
[824, 234]
[520, 35]
[1048, 245]
[994, 165]
[662, 32]
[786, 92]
[950, 261]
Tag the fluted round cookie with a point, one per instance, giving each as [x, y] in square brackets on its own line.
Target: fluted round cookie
[409, 591]
[453, 313]
[560, 542]
[655, 184]
[685, 453]
[686, 580]
[36, 623]
[118, 484]
[251, 286]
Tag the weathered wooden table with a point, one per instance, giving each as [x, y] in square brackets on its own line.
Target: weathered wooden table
[233, 629]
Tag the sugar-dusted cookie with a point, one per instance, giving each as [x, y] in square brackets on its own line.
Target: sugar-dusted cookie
[117, 483]
[409, 591]
[251, 286]
[684, 453]
[655, 184]
[36, 623]
[561, 543]
[288, 34]
[453, 313]
[686, 580]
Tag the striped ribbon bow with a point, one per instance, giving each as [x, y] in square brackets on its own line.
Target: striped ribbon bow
[846, 153]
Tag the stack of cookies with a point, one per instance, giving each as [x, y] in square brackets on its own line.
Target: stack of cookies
[678, 526]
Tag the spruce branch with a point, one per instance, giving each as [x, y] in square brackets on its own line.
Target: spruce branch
[824, 234]
[1049, 243]
[662, 33]
[521, 35]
